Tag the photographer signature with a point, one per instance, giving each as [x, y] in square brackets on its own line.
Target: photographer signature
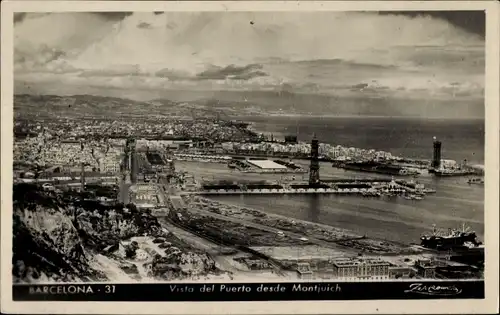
[433, 289]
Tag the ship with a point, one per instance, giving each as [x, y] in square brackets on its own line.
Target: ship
[455, 239]
[376, 167]
[475, 181]
[451, 172]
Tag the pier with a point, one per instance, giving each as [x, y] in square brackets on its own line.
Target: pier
[368, 187]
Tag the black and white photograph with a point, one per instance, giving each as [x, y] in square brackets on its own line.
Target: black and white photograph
[250, 155]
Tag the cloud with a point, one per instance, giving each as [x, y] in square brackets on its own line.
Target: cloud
[249, 75]
[44, 59]
[116, 71]
[144, 25]
[472, 21]
[232, 72]
[321, 52]
[173, 75]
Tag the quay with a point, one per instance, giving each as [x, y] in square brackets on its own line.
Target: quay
[369, 187]
[275, 192]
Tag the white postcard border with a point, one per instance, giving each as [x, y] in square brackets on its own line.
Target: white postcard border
[488, 305]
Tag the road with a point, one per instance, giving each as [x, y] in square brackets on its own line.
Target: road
[192, 239]
[166, 190]
[123, 192]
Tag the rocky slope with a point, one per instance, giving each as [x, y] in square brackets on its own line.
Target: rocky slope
[59, 238]
[46, 243]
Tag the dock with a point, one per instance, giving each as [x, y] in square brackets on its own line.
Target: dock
[362, 187]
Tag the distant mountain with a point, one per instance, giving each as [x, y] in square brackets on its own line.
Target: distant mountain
[243, 103]
[366, 104]
[87, 106]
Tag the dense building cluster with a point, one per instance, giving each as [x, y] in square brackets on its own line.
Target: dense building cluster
[325, 150]
[97, 144]
[71, 155]
[72, 129]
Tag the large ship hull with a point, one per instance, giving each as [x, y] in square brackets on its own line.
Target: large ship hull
[448, 242]
[375, 168]
[444, 174]
[441, 173]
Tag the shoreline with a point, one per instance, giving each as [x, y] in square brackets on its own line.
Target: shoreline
[335, 235]
[277, 216]
[274, 115]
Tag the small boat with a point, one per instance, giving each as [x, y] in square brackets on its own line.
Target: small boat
[475, 181]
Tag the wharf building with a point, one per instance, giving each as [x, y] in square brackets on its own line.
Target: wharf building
[304, 271]
[361, 268]
[400, 272]
[425, 268]
[267, 165]
[443, 269]
[254, 263]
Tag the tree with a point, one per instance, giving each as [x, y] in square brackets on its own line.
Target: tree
[132, 208]
[130, 250]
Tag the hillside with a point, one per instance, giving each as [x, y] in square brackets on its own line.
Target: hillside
[85, 106]
[241, 103]
[58, 238]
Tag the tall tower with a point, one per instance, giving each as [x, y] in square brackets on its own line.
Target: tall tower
[436, 157]
[314, 167]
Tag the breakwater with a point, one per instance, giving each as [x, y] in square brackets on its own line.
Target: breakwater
[285, 191]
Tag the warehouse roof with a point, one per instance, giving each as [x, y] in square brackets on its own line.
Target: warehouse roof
[266, 164]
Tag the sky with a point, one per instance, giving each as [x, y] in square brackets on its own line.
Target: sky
[396, 55]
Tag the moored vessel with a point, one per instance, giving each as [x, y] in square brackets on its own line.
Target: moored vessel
[475, 181]
[454, 239]
[377, 167]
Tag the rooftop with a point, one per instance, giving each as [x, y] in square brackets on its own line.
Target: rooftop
[177, 202]
[266, 164]
[357, 262]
